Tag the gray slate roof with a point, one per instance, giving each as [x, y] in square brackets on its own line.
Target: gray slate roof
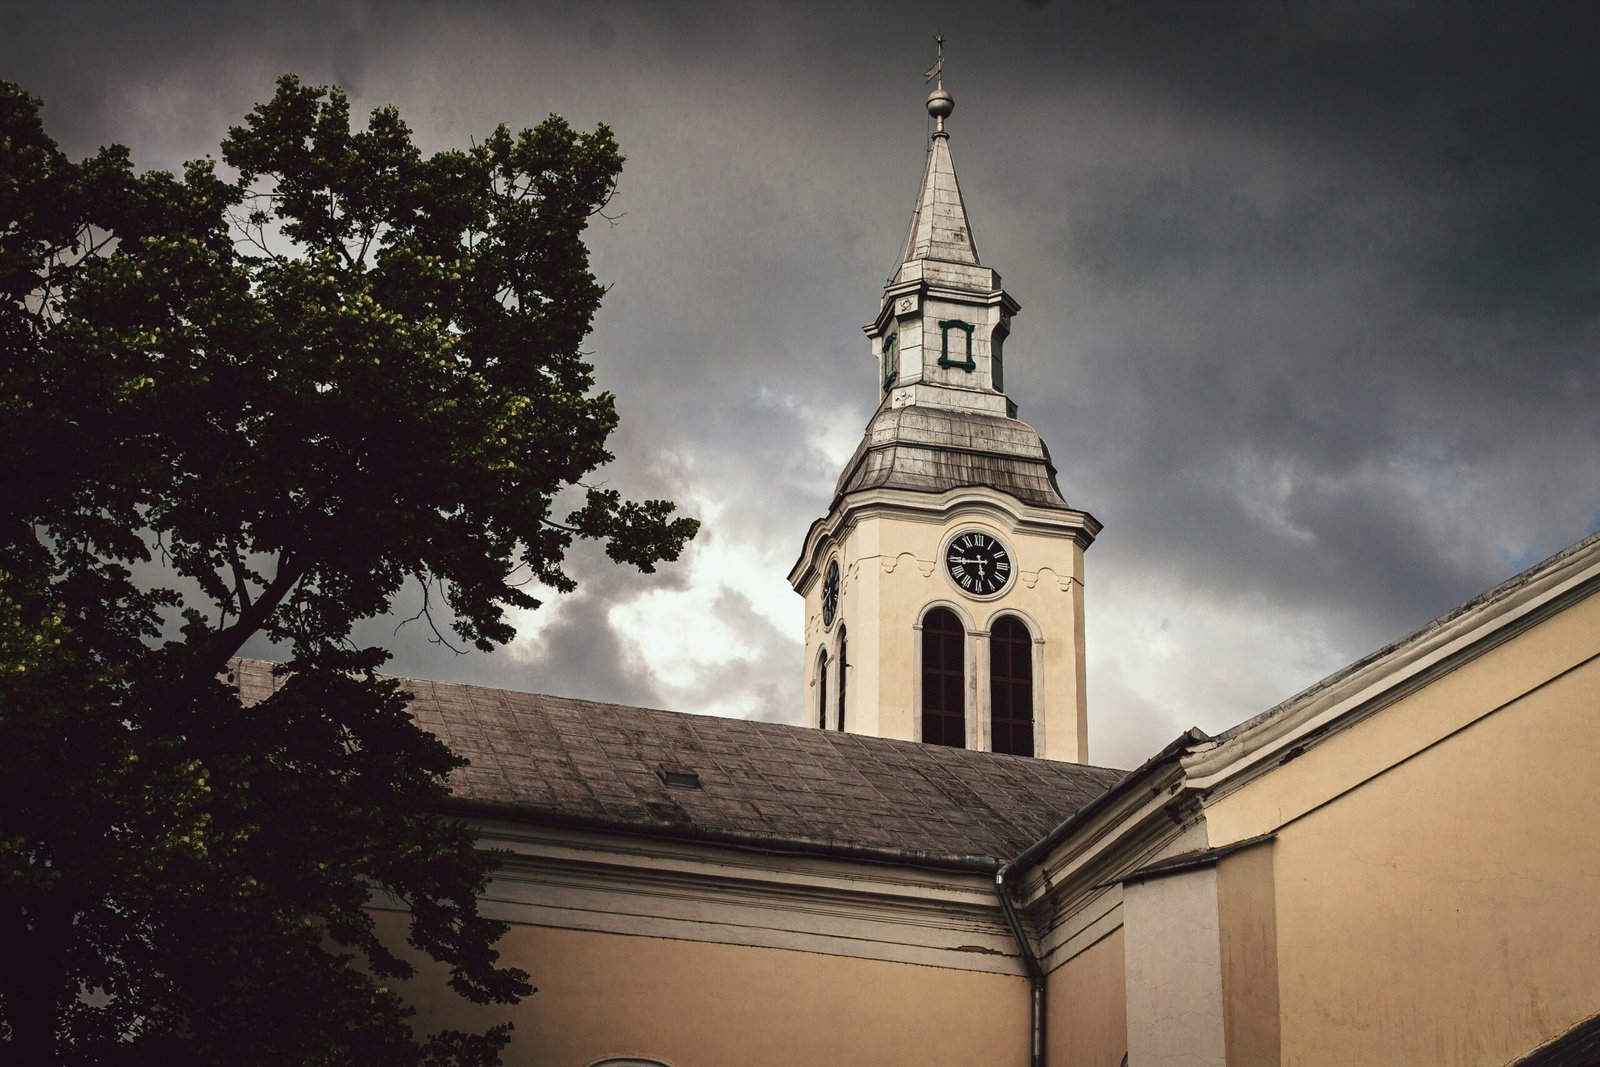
[939, 226]
[575, 762]
[1578, 1047]
[930, 450]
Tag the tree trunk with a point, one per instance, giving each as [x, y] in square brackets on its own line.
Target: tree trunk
[33, 977]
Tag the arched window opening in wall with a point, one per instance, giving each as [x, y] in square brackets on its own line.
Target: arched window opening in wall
[1011, 686]
[944, 654]
[844, 673]
[822, 689]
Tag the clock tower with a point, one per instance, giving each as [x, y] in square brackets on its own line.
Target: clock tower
[944, 587]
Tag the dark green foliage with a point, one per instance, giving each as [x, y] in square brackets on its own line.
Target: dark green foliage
[348, 367]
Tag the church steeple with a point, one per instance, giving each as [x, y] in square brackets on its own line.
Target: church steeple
[939, 227]
[942, 325]
[948, 555]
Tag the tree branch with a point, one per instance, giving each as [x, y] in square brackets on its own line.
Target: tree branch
[225, 643]
[426, 614]
[239, 585]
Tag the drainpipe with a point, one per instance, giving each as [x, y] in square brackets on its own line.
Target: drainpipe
[1030, 960]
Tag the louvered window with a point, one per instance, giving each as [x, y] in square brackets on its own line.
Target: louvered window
[844, 673]
[944, 720]
[1011, 686]
[822, 689]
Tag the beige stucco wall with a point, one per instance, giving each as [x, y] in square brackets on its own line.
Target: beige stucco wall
[1088, 1020]
[1436, 880]
[1172, 949]
[1247, 921]
[696, 1004]
[891, 577]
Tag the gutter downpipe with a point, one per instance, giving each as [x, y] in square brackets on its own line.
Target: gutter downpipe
[1030, 960]
[1036, 977]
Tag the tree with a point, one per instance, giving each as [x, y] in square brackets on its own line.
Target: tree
[293, 385]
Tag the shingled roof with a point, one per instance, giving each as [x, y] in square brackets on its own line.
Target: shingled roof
[564, 761]
[939, 226]
[930, 450]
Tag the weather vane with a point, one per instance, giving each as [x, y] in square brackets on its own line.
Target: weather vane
[937, 70]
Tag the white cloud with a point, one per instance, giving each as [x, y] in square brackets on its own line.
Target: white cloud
[1161, 660]
[533, 623]
[681, 634]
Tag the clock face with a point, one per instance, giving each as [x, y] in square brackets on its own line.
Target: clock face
[978, 563]
[830, 593]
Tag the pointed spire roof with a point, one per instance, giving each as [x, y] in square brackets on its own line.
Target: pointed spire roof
[939, 227]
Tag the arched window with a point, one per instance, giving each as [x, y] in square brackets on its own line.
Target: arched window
[1011, 686]
[822, 689]
[944, 653]
[844, 673]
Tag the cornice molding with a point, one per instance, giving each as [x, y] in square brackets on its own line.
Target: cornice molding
[936, 508]
[582, 880]
[1074, 892]
[1153, 823]
[923, 289]
[1147, 811]
[1394, 672]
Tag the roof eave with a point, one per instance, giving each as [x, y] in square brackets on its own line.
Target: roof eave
[1376, 681]
[691, 834]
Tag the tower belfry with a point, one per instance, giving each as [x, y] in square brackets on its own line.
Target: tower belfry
[944, 588]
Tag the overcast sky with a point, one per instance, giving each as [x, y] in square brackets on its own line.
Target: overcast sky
[1310, 295]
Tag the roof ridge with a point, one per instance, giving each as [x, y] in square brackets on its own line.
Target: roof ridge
[830, 736]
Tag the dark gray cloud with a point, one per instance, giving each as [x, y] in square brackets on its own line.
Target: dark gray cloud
[1311, 294]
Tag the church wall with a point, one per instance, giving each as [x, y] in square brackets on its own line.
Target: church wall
[1248, 927]
[1172, 952]
[1067, 659]
[1088, 1018]
[695, 1004]
[952, 346]
[902, 583]
[1433, 871]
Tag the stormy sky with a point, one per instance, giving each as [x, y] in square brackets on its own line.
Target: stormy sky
[1310, 295]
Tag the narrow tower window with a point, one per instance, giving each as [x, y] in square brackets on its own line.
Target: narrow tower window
[822, 689]
[891, 362]
[944, 651]
[844, 673]
[1011, 686]
[997, 364]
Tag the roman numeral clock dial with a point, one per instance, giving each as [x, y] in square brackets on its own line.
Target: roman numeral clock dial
[830, 593]
[978, 563]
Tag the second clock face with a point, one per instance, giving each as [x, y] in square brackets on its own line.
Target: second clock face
[978, 563]
[830, 593]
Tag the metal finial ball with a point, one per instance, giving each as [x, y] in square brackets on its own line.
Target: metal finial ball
[940, 104]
